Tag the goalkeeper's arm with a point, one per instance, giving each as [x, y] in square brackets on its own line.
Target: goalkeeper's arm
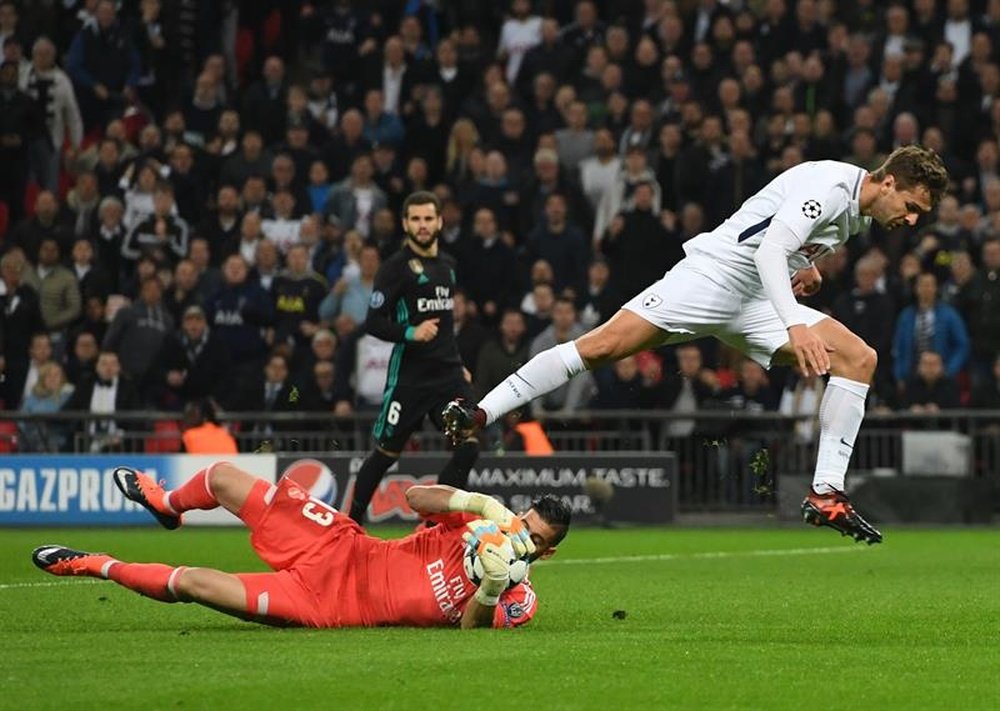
[481, 608]
[439, 498]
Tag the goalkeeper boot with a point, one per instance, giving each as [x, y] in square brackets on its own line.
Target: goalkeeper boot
[142, 489]
[834, 510]
[59, 560]
[461, 420]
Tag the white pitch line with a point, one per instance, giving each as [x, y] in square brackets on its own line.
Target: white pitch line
[699, 556]
[58, 583]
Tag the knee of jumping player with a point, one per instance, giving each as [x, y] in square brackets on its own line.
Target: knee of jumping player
[857, 362]
[597, 349]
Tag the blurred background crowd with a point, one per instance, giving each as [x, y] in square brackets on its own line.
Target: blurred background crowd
[195, 196]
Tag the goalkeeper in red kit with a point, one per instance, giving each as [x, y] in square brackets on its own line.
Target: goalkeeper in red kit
[327, 571]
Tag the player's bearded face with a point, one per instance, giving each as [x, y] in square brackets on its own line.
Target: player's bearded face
[423, 231]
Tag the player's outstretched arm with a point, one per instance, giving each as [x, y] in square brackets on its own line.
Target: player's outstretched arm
[438, 498]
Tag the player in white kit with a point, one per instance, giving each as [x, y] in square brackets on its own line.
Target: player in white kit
[739, 283]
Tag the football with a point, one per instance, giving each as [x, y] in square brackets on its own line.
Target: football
[474, 568]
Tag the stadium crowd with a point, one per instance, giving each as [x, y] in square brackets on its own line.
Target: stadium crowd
[195, 196]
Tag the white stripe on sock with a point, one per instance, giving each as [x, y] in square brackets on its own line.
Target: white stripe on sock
[106, 568]
[172, 579]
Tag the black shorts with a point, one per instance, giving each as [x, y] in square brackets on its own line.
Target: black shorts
[405, 406]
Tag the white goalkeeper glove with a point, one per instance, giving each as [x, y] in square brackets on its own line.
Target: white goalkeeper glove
[494, 551]
[492, 510]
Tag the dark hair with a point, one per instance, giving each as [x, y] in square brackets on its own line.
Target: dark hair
[915, 165]
[421, 197]
[555, 513]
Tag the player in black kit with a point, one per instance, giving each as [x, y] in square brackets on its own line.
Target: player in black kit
[411, 306]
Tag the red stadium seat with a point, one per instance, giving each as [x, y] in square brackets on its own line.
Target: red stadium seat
[166, 438]
[4, 219]
[8, 435]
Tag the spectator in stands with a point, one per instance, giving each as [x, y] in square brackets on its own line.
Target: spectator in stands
[470, 334]
[48, 395]
[209, 277]
[52, 91]
[573, 395]
[625, 386]
[81, 205]
[865, 310]
[351, 293]
[503, 354]
[381, 125]
[320, 394]
[634, 171]
[930, 389]
[221, 226]
[267, 266]
[346, 145]
[104, 66]
[137, 332]
[21, 125]
[239, 313]
[189, 187]
[264, 102]
[162, 233]
[81, 356]
[108, 236]
[20, 319]
[44, 224]
[598, 171]
[138, 183]
[57, 288]
[353, 201]
[93, 278]
[486, 267]
[192, 363]
[182, 293]
[548, 179]
[108, 392]
[639, 245]
[297, 292]
[40, 355]
[984, 326]
[251, 160]
[987, 395]
[598, 301]
[574, 143]
[282, 228]
[687, 390]
[561, 243]
[929, 325]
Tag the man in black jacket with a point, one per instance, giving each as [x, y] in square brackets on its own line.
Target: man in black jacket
[20, 319]
[20, 124]
[412, 306]
[104, 66]
[108, 391]
[192, 363]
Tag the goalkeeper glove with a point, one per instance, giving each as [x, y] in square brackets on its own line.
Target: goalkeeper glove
[493, 549]
[493, 510]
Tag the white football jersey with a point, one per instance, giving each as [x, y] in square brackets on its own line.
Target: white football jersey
[818, 201]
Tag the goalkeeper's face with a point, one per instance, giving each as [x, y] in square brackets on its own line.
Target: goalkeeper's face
[544, 535]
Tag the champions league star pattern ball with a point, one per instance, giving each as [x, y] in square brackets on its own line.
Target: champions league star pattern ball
[474, 567]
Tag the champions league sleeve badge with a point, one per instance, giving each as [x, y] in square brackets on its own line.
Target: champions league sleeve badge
[812, 209]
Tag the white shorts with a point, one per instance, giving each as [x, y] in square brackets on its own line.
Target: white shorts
[688, 304]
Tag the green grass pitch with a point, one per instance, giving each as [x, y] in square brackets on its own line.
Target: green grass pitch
[788, 618]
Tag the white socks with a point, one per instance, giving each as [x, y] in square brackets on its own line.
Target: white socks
[540, 375]
[840, 416]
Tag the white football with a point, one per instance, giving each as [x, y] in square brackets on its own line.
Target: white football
[474, 567]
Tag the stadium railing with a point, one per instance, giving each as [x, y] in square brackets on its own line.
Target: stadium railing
[726, 459]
